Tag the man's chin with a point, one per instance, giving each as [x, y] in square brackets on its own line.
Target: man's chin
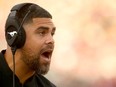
[43, 70]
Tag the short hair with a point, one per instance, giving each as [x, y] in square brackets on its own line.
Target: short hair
[37, 12]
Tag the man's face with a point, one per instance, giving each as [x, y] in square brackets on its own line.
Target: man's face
[39, 44]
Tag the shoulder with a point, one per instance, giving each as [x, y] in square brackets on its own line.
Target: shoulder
[2, 61]
[1, 58]
[0, 66]
[2, 54]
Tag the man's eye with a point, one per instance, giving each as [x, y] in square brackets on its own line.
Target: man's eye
[41, 33]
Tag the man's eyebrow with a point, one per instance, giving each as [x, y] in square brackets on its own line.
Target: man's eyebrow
[45, 28]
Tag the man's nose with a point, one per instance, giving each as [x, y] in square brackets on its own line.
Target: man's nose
[49, 40]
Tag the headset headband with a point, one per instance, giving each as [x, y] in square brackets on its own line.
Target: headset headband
[19, 6]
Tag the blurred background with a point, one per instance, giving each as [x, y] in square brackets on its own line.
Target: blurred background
[85, 41]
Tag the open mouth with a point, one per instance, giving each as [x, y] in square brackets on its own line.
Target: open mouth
[47, 54]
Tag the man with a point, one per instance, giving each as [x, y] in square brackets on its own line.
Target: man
[29, 33]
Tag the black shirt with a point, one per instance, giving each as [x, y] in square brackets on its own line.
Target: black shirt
[6, 77]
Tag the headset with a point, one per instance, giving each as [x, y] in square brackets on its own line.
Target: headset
[14, 32]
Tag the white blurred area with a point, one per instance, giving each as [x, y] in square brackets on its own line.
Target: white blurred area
[85, 50]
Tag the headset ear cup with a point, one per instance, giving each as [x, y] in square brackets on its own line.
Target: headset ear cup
[14, 32]
[16, 38]
[21, 38]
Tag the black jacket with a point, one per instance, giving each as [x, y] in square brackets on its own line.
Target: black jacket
[6, 77]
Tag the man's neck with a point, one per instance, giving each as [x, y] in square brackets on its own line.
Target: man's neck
[21, 69]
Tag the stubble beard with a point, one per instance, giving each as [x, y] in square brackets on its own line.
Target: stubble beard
[33, 62]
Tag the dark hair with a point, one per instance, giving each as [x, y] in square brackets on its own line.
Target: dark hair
[35, 13]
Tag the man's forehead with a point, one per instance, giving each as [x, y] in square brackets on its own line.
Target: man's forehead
[42, 20]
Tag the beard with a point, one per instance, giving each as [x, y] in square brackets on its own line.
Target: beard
[32, 60]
